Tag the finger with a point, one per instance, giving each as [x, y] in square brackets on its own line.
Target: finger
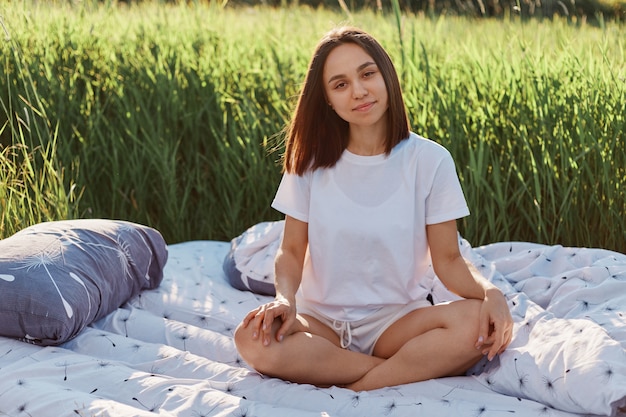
[246, 320]
[509, 338]
[506, 340]
[499, 342]
[483, 331]
[266, 328]
[268, 318]
[492, 352]
[284, 327]
[257, 322]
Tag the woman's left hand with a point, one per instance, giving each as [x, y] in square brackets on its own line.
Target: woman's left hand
[496, 324]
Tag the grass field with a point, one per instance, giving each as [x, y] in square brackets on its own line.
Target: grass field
[171, 115]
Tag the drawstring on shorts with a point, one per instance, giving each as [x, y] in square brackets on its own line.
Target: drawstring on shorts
[345, 332]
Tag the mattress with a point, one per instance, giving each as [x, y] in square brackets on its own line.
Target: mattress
[169, 351]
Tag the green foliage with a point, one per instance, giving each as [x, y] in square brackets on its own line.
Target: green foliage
[33, 187]
[171, 115]
[536, 124]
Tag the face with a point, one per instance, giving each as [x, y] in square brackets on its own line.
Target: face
[355, 87]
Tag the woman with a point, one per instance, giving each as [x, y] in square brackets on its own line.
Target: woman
[368, 206]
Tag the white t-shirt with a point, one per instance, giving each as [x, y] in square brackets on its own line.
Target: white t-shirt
[367, 220]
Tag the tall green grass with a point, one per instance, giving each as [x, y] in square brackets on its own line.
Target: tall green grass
[171, 115]
[536, 123]
[33, 187]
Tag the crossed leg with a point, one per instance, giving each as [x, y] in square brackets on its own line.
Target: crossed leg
[427, 343]
[311, 355]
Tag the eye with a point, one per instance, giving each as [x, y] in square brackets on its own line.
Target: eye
[339, 85]
[369, 73]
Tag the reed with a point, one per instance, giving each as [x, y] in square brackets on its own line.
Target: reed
[33, 187]
[171, 115]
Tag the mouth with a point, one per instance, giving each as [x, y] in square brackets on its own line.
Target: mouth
[364, 106]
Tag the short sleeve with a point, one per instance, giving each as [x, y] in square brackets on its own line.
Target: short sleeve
[446, 200]
[293, 196]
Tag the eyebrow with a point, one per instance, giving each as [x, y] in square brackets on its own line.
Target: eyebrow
[359, 68]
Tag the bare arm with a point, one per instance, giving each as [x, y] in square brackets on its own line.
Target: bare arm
[290, 259]
[288, 275]
[450, 266]
[464, 280]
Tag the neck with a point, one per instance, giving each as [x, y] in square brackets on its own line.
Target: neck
[367, 142]
[366, 149]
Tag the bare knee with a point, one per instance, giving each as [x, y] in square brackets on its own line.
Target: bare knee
[253, 352]
[471, 310]
[246, 344]
[469, 320]
[465, 323]
[469, 330]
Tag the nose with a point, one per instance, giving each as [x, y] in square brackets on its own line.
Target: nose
[359, 90]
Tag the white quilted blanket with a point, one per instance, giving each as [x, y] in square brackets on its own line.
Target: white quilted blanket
[169, 352]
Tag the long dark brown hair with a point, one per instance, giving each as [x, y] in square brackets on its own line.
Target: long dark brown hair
[317, 136]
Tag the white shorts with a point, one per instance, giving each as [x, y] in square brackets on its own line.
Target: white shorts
[362, 335]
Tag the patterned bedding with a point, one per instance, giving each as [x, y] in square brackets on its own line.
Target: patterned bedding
[169, 351]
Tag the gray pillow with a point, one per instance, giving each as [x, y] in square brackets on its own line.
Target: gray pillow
[58, 277]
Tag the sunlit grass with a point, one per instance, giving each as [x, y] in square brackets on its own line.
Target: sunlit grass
[171, 115]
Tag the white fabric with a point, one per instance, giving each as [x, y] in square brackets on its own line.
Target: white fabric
[345, 332]
[367, 220]
[170, 351]
[254, 255]
[362, 335]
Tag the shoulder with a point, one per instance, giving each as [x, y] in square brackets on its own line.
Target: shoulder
[423, 148]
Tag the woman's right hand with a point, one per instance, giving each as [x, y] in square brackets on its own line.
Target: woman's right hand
[280, 315]
[262, 319]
